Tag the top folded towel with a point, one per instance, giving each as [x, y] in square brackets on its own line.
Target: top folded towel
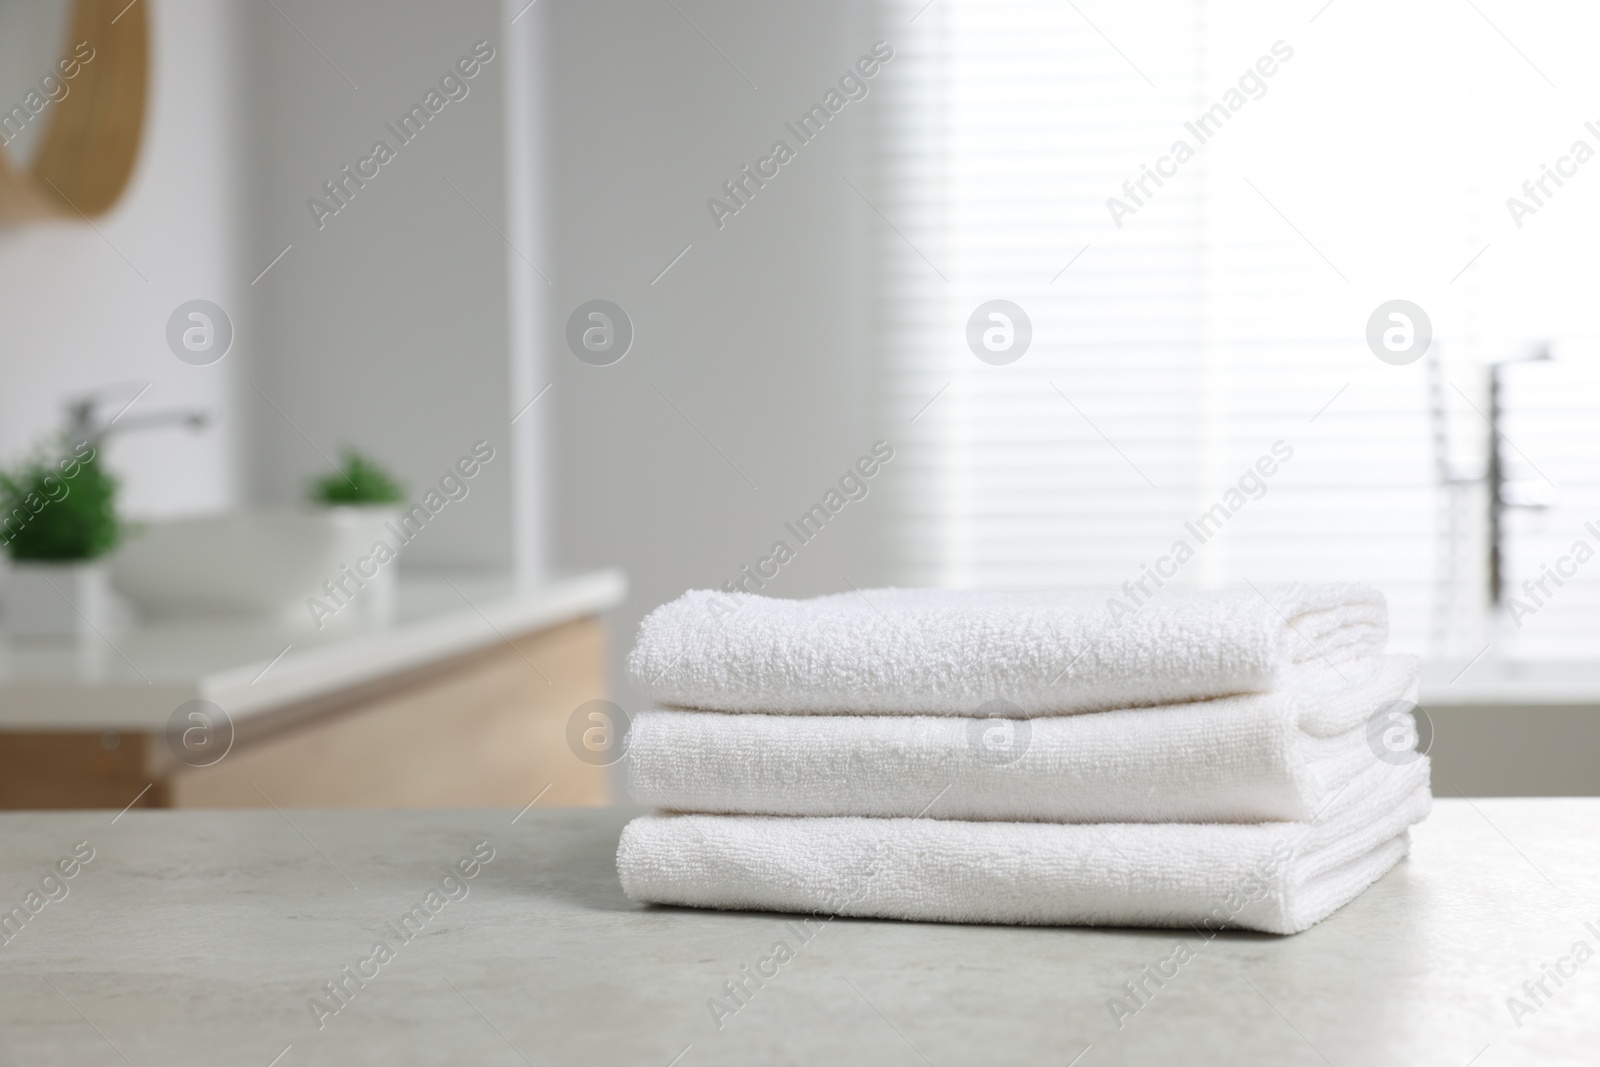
[948, 652]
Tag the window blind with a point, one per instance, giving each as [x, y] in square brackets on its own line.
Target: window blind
[1180, 338]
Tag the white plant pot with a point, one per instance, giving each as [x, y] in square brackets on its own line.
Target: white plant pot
[59, 600]
[377, 603]
[381, 598]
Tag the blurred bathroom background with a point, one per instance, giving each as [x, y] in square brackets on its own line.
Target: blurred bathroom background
[1177, 329]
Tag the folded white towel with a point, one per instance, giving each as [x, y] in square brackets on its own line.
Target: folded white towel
[1283, 756]
[945, 652]
[1276, 877]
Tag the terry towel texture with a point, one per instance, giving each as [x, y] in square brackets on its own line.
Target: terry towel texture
[1274, 877]
[1028, 758]
[946, 652]
[1283, 756]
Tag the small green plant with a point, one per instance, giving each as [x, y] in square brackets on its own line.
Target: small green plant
[361, 480]
[59, 509]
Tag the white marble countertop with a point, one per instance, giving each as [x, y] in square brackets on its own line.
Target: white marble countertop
[132, 679]
[200, 938]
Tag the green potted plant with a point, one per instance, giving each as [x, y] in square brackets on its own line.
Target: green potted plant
[58, 520]
[360, 482]
[363, 498]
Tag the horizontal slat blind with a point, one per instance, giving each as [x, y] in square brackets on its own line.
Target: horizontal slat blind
[1228, 311]
[1016, 122]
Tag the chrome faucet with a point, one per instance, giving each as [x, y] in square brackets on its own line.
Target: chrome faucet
[1505, 493]
[86, 422]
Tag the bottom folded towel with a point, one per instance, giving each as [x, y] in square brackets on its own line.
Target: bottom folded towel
[1275, 877]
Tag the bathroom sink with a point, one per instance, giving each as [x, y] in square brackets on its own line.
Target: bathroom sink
[262, 564]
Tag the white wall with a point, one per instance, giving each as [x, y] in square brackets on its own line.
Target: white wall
[83, 307]
[756, 335]
[388, 327]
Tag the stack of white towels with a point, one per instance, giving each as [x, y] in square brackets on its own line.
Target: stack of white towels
[1217, 758]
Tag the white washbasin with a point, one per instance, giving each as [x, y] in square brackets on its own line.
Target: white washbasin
[259, 564]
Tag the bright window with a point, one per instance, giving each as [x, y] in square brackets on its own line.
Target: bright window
[1340, 159]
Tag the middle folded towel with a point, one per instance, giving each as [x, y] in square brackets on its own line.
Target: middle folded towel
[1281, 756]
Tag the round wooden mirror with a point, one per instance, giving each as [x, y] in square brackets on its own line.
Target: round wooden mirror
[73, 78]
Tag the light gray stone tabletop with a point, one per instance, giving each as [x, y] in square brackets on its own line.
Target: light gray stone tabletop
[210, 937]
